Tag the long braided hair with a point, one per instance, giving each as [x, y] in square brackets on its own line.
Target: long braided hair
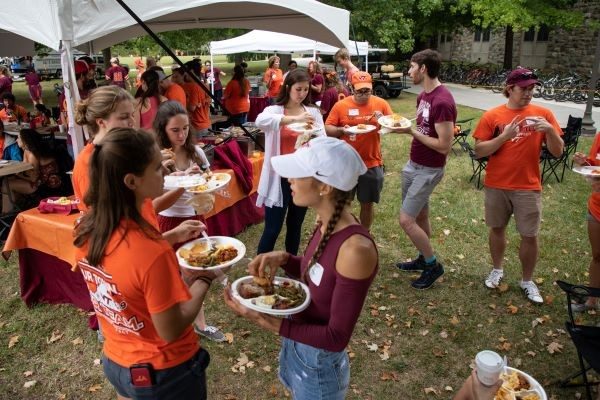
[342, 199]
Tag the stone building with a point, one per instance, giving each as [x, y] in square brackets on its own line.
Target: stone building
[544, 48]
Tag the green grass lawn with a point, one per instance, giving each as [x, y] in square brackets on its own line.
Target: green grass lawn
[430, 336]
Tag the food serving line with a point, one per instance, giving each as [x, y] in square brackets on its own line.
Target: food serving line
[47, 255]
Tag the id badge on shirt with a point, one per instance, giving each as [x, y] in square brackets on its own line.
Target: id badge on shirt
[353, 112]
[316, 273]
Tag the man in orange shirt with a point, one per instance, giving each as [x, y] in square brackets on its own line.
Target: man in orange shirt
[512, 136]
[170, 89]
[198, 102]
[343, 121]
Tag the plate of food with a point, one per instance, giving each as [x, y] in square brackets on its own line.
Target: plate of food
[213, 182]
[518, 385]
[588, 170]
[199, 255]
[303, 127]
[282, 297]
[4, 162]
[360, 128]
[183, 181]
[394, 121]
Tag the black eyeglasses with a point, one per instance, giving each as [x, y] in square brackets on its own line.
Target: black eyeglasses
[363, 92]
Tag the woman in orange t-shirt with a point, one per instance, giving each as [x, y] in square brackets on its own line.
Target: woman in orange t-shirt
[236, 97]
[273, 79]
[144, 308]
[593, 223]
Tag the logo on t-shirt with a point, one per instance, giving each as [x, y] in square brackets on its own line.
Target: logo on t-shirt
[108, 301]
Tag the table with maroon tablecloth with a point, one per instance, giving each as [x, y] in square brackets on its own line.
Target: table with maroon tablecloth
[257, 105]
[47, 254]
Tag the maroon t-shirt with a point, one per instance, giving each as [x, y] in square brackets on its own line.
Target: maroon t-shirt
[335, 303]
[330, 97]
[317, 80]
[117, 75]
[432, 108]
[5, 85]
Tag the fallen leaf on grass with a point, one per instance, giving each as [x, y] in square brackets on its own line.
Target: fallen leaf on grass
[229, 337]
[531, 353]
[554, 347]
[461, 256]
[97, 361]
[555, 270]
[431, 390]
[446, 232]
[56, 336]
[27, 373]
[77, 341]
[424, 332]
[2, 323]
[384, 355]
[29, 384]
[61, 396]
[539, 280]
[13, 340]
[94, 388]
[389, 376]
[512, 309]
[454, 320]
[439, 353]
[372, 347]
[444, 335]
[503, 287]
[266, 368]
[448, 389]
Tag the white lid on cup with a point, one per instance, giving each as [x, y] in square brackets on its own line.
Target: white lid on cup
[489, 361]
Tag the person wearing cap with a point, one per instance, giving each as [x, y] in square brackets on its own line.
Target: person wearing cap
[90, 82]
[116, 74]
[338, 266]
[198, 102]
[274, 193]
[431, 142]
[512, 135]
[362, 108]
[170, 89]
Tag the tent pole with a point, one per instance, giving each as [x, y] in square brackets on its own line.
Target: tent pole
[212, 73]
[71, 96]
[356, 44]
[367, 58]
[178, 61]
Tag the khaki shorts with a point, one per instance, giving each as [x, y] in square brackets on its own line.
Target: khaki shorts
[526, 205]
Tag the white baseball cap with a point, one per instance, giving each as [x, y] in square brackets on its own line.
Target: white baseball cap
[328, 160]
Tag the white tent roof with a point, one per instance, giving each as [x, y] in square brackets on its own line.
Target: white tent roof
[103, 22]
[259, 41]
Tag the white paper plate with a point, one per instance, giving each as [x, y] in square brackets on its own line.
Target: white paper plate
[216, 181]
[4, 162]
[300, 127]
[386, 122]
[534, 385]
[354, 130]
[183, 181]
[252, 304]
[588, 170]
[218, 240]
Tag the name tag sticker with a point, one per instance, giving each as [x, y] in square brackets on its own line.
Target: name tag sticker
[316, 273]
[353, 112]
[426, 113]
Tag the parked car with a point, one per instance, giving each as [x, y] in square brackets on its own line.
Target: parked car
[49, 66]
[387, 81]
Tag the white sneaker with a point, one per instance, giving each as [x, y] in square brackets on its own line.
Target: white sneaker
[211, 332]
[532, 292]
[494, 278]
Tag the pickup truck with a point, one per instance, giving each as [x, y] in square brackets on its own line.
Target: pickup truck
[386, 82]
[49, 66]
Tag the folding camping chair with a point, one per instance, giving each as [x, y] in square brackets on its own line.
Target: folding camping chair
[586, 338]
[551, 166]
[462, 130]
[478, 164]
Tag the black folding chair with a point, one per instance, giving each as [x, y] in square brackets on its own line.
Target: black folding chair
[464, 129]
[478, 164]
[586, 338]
[555, 166]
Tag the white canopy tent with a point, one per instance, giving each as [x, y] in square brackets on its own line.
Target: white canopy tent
[94, 25]
[259, 41]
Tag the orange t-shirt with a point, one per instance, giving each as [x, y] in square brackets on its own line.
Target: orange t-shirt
[200, 118]
[594, 159]
[18, 112]
[516, 164]
[274, 79]
[234, 102]
[81, 184]
[347, 112]
[176, 92]
[138, 277]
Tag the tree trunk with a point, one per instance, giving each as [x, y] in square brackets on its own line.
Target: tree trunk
[106, 53]
[508, 47]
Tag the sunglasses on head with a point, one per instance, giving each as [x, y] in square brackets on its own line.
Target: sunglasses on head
[526, 75]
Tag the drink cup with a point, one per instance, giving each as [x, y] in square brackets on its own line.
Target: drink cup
[489, 365]
[61, 128]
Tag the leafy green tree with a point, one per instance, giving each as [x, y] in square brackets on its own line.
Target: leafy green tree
[518, 16]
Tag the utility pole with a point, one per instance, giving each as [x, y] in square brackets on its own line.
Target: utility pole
[587, 126]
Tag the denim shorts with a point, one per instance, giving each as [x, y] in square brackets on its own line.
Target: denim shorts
[186, 381]
[418, 182]
[313, 374]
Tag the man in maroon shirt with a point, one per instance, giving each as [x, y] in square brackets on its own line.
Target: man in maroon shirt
[117, 75]
[432, 140]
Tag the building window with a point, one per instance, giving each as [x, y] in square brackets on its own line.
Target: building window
[486, 35]
[529, 35]
[543, 34]
[482, 35]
